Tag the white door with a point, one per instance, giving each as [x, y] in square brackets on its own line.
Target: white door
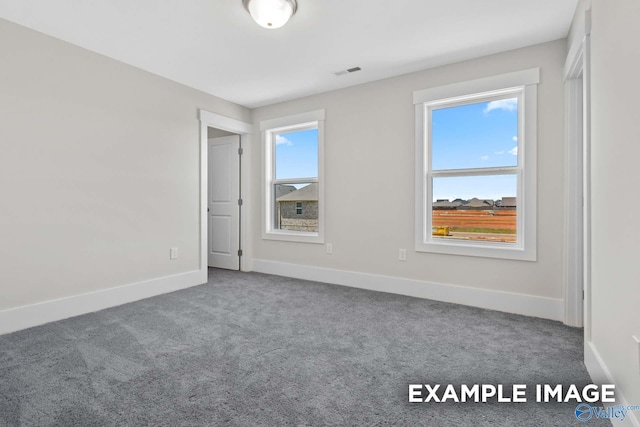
[224, 209]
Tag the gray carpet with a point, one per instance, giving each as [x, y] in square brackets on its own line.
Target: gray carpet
[249, 349]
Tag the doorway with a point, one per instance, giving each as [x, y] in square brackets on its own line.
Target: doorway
[578, 243]
[224, 147]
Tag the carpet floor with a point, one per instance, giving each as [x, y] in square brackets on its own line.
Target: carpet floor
[249, 349]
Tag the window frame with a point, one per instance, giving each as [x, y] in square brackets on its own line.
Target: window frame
[270, 128]
[520, 83]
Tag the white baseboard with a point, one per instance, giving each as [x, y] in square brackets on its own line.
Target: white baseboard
[600, 374]
[24, 317]
[528, 305]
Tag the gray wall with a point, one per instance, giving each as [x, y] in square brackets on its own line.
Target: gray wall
[615, 61]
[369, 158]
[99, 170]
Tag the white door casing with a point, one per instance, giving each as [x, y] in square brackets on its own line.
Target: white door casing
[577, 185]
[245, 130]
[223, 206]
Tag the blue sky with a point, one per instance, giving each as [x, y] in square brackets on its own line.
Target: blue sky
[476, 135]
[470, 136]
[297, 154]
[492, 187]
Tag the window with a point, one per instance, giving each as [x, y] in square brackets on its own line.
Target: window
[476, 167]
[293, 155]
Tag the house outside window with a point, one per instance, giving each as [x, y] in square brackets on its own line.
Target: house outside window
[293, 152]
[476, 167]
[298, 210]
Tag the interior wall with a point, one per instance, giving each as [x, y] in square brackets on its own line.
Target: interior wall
[99, 170]
[217, 133]
[369, 165]
[615, 151]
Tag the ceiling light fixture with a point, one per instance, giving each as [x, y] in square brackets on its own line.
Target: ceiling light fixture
[271, 14]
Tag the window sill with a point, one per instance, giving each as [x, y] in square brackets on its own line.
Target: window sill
[294, 236]
[484, 250]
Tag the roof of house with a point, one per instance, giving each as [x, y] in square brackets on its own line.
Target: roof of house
[477, 203]
[308, 193]
[460, 201]
[443, 203]
[282, 189]
[509, 201]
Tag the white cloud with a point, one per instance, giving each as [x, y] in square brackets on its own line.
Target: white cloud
[499, 153]
[514, 151]
[515, 139]
[282, 140]
[502, 104]
[484, 157]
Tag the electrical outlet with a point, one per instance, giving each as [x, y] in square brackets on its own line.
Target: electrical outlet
[173, 253]
[329, 248]
[637, 340]
[402, 254]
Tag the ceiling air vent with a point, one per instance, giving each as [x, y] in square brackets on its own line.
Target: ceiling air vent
[347, 71]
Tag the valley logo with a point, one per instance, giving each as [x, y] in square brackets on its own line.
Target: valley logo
[585, 412]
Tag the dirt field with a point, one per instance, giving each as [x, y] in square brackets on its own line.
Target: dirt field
[498, 225]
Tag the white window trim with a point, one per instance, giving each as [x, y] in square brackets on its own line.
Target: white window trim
[268, 128]
[525, 249]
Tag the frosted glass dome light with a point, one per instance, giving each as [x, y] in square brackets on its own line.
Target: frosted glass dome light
[271, 14]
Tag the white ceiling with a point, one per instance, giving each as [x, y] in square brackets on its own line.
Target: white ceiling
[214, 46]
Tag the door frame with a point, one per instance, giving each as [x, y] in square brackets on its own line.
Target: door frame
[577, 183]
[244, 129]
